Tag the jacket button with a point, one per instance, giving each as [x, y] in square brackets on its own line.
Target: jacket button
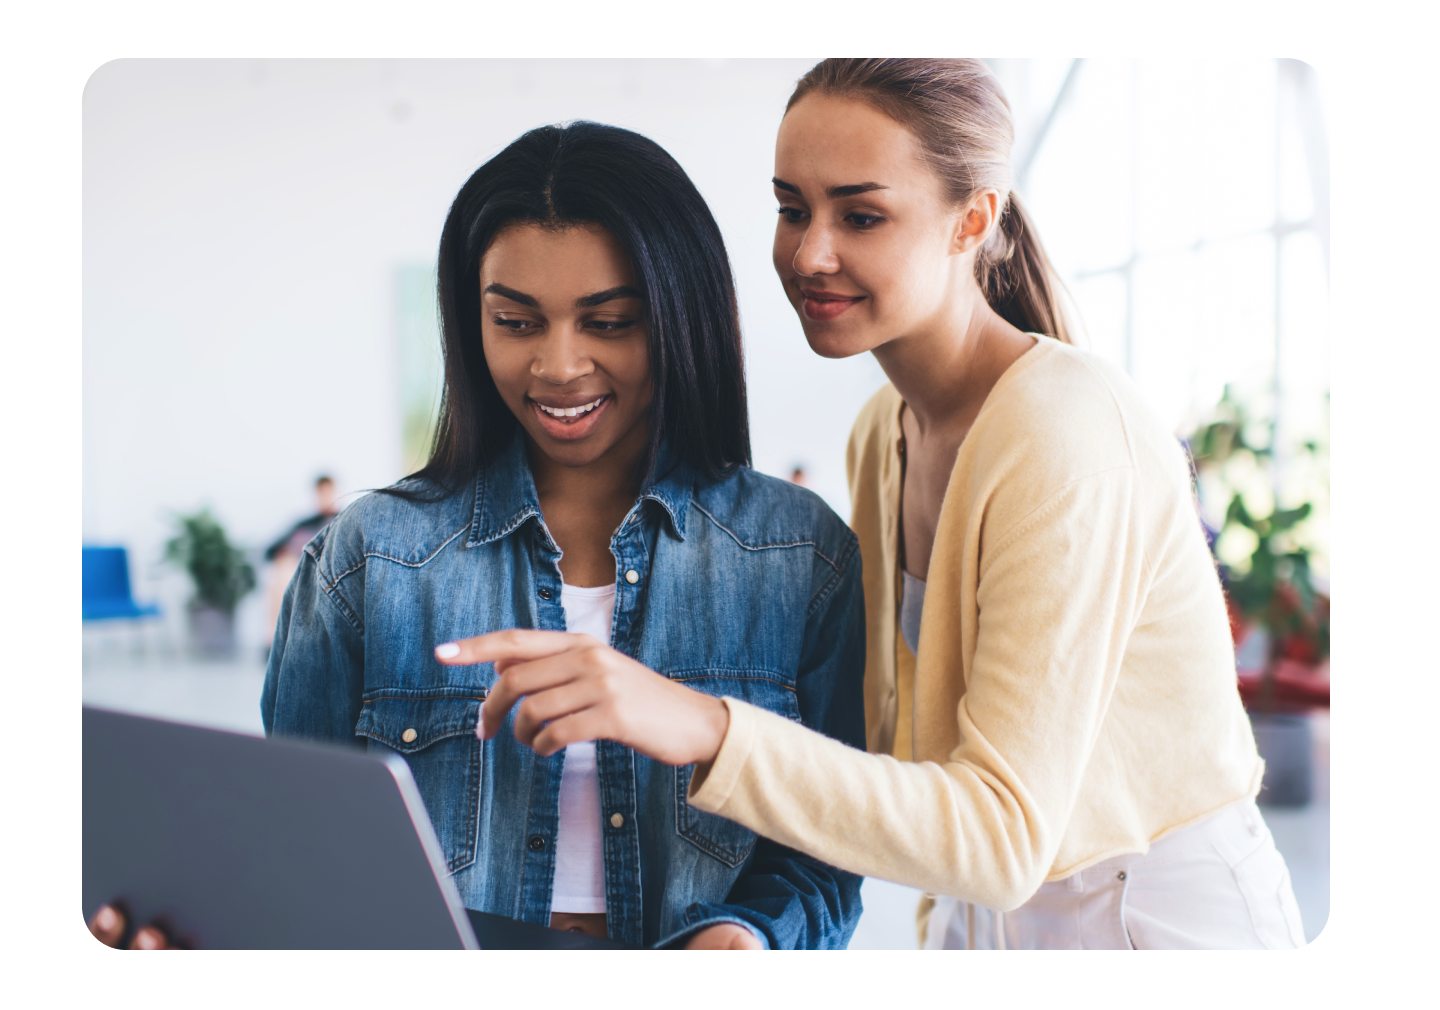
[1120, 875]
[409, 735]
[617, 820]
[536, 843]
[545, 594]
[632, 576]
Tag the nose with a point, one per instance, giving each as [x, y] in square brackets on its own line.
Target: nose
[560, 357]
[816, 252]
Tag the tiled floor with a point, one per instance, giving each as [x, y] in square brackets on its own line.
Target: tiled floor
[221, 695]
[226, 695]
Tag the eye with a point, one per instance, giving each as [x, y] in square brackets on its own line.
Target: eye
[863, 221]
[513, 325]
[610, 325]
[792, 215]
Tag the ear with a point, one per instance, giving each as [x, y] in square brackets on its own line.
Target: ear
[975, 220]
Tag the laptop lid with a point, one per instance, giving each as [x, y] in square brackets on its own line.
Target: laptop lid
[238, 842]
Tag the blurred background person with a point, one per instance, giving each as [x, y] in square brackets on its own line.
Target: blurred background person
[284, 553]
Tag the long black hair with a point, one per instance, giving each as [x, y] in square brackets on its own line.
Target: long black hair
[589, 173]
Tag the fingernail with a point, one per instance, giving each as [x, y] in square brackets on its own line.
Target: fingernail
[107, 918]
[447, 651]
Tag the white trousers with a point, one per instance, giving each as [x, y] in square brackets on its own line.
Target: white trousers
[1217, 885]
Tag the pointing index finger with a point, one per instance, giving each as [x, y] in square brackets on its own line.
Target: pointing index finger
[512, 645]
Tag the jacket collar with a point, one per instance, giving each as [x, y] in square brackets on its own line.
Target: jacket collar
[505, 495]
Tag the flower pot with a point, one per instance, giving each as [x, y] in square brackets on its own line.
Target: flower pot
[212, 631]
[1287, 743]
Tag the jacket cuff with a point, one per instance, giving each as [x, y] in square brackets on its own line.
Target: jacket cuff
[711, 791]
[677, 939]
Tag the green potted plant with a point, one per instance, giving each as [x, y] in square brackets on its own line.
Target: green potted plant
[221, 575]
[1279, 618]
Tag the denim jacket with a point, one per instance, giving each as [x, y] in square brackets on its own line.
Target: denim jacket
[747, 587]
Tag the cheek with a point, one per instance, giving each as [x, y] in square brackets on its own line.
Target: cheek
[904, 277]
[629, 367]
[509, 367]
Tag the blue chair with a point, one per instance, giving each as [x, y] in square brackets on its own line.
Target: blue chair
[105, 586]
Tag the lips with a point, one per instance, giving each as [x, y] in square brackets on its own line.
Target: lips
[571, 412]
[823, 306]
[568, 422]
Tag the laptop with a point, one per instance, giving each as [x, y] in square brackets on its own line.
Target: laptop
[237, 842]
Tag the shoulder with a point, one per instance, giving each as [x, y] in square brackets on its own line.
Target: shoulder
[1069, 411]
[386, 525]
[760, 511]
[1063, 415]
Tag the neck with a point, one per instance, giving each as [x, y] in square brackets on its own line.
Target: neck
[946, 368]
[607, 484]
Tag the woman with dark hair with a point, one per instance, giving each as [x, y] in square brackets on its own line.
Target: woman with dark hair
[589, 480]
[1059, 749]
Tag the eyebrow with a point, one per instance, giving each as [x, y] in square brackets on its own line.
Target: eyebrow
[587, 302]
[512, 294]
[833, 192]
[608, 295]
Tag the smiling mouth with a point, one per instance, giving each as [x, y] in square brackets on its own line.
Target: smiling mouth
[822, 306]
[571, 422]
[571, 413]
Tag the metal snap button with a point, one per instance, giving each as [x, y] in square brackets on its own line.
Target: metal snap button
[536, 843]
[632, 576]
[617, 820]
[545, 594]
[1120, 875]
[409, 735]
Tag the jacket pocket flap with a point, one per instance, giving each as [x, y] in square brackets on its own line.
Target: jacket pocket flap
[410, 724]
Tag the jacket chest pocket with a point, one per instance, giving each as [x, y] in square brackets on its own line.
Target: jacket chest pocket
[436, 736]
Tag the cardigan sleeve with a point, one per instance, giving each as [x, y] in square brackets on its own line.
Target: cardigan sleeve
[1058, 595]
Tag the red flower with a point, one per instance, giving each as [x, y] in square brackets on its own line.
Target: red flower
[1299, 647]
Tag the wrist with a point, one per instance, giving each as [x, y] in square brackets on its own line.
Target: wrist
[717, 724]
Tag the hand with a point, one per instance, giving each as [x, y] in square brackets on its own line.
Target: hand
[576, 689]
[724, 936]
[108, 925]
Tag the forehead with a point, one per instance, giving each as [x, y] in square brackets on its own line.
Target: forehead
[829, 141]
[574, 259]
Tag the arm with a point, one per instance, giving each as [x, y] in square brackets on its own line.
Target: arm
[794, 900]
[1058, 596]
[315, 678]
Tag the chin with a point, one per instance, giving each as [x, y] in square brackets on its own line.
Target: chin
[580, 452]
[829, 342]
[570, 456]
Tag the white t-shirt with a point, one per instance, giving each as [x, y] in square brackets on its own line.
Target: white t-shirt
[579, 847]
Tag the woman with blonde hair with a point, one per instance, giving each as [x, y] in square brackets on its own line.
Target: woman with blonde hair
[1057, 747]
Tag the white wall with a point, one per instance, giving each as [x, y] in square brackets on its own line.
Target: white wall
[243, 221]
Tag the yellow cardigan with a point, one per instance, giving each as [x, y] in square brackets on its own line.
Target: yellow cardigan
[1075, 694]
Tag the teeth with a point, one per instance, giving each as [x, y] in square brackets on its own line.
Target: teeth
[570, 411]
